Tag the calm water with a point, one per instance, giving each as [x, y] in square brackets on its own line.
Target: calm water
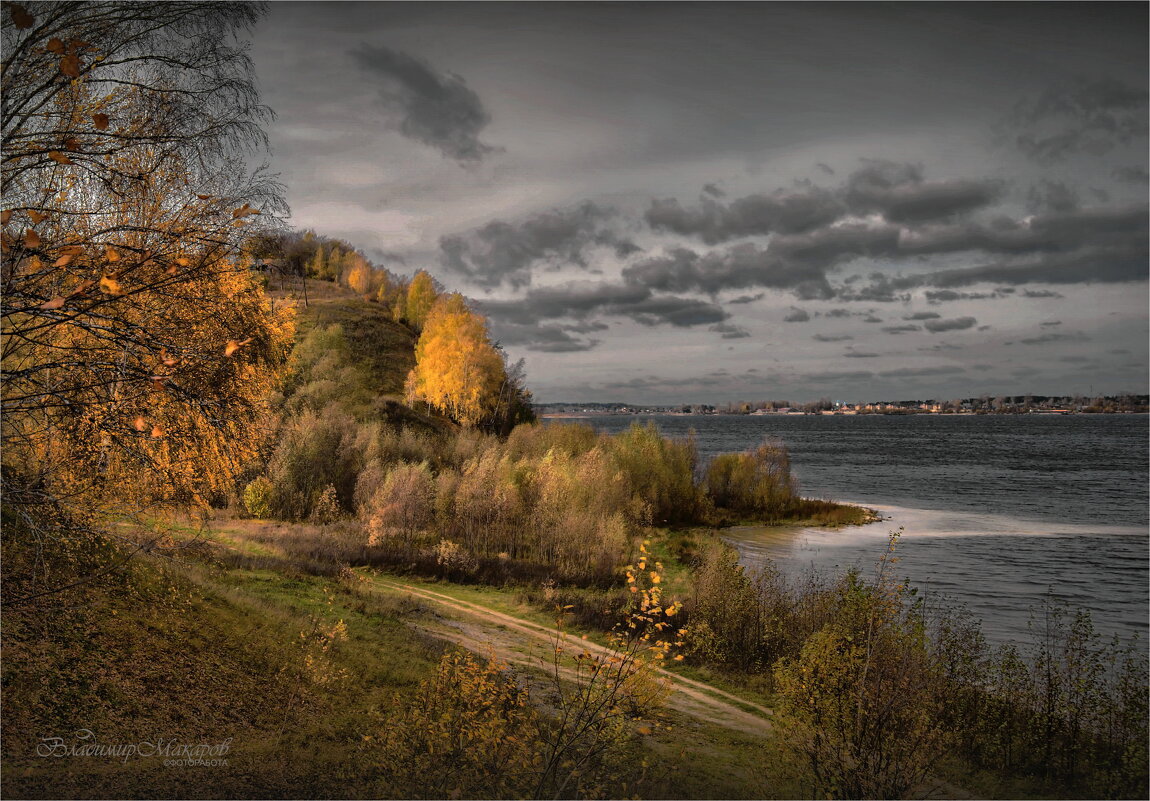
[997, 511]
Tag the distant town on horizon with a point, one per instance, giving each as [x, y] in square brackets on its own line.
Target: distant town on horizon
[1125, 403]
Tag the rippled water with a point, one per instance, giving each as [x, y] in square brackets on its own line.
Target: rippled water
[996, 510]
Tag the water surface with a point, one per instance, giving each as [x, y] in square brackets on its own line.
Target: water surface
[996, 510]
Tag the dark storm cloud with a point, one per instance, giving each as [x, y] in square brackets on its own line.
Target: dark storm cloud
[739, 267]
[785, 211]
[1050, 323]
[543, 338]
[1041, 293]
[912, 372]
[437, 109]
[901, 329]
[797, 315]
[897, 191]
[831, 337]
[953, 324]
[1081, 116]
[579, 301]
[502, 252]
[923, 316]
[900, 193]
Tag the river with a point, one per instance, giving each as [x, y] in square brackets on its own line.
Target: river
[996, 511]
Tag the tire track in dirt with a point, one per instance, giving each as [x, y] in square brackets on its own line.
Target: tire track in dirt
[691, 697]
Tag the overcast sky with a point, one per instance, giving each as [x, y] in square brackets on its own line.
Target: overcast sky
[707, 203]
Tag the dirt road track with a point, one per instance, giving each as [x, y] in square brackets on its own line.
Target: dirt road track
[513, 640]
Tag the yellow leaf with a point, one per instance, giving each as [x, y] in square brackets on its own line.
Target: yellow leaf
[31, 239]
[204, 197]
[157, 432]
[70, 65]
[36, 217]
[59, 157]
[63, 261]
[5, 216]
[55, 303]
[644, 730]
[111, 254]
[110, 285]
[100, 121]
[140, 424]
[231, 348]
[183, 261]
[55, 46]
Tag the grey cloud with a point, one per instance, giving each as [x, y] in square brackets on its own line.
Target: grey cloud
[871, 318]
[1050, 323]
[923, 316]
[1075, 359]
[747, 298]
[900, 194]
[831, 337]
[679, 312]
[953, 324]
[841, 313]
[901, 329]
[543, 338]
[739, 267]
[784, 211]
[580, 300]
[797, 315]
[911, 372]
[1041, 293]
[437, 109]
[1044, 338]
[825, 168]
[713, 190]
[501, 252]
[1081, 116]
[855, 354]
[729, 331]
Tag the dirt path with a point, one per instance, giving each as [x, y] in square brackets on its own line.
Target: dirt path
[523, 642]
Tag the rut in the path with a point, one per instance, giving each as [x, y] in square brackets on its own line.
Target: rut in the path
[694, 698]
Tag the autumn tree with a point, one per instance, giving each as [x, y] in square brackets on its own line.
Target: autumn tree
[421, 296]
[138, 349]
[457, 369]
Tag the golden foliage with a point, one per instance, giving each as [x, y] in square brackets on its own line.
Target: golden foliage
[457, 369]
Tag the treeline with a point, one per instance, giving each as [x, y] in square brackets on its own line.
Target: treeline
[878, 686]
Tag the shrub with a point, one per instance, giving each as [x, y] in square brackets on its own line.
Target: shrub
[453, 558]
[403, 506]
[757, 483]
[258, 498]
[326, 509]
[661, 472]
